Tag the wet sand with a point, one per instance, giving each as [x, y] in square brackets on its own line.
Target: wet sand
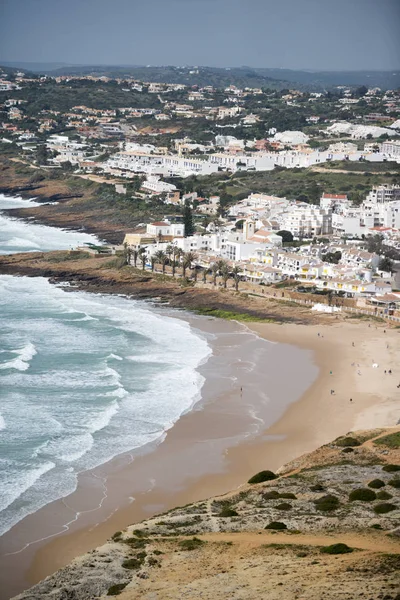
[228, 437]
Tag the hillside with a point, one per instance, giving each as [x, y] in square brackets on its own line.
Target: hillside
[243, 76]
[326, 526]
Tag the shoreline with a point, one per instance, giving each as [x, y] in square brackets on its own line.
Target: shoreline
[285, 440]
[196, 446]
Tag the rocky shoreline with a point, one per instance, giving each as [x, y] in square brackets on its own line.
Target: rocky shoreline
[98, 275]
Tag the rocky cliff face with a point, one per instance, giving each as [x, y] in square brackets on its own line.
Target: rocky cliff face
[327, 526]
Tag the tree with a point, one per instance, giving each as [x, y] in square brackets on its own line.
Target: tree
[188, 220]
[134, 254]
[215, 271]
[161, 258]
[143, 257]
[153, 261]
[187, 260]
[236, 277]
[205, 271]
[42, 154]
[225, 274]
[332, 257]
[385, 264]
[178, 253]
[287, 236]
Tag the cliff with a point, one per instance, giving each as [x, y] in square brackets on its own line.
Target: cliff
[326, 526]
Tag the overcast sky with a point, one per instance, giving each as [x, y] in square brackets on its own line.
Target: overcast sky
[297, 34]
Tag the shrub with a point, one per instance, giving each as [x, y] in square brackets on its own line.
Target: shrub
[116, 589]
[276, 525]
[347, 442]
[288, 496]
[376, 484]
[383, 508]
[192, 544]
[272, 495]
[392, 440]
[347, 450]
[117, 536]
[327, 503]
[363, 494]
[395, 483]
[391, 468]
[228, 512]
[132, 563]
[337, 549]
[284, 506]
[317, 488]
[262, 476]
[383, 495]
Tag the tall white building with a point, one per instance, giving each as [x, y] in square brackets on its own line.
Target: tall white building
[307, 221]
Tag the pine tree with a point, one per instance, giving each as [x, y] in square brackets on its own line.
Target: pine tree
[188, 220]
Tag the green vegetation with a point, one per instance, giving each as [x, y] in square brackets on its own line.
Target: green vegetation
[132, 563]
[116, 589]
[117, 536]
[391, 468]
[262, 476]
[395, 482]
[192, 544]
[231, 315]
[376, 484]
[363, 494]
[347, 442]
[317, 488]
[228, 512]
[327, 503]
[288, 495]
[284, 506]
[383, 495]
[302, 184]
[337, 549]
[392, 441]
[272, 495]
[276, 525]
[384, 508]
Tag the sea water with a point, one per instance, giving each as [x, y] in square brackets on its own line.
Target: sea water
[83, 378]
[23, 236]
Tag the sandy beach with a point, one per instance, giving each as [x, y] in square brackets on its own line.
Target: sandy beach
[206, 453]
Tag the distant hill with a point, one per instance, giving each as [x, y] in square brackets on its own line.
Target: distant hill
[221, 77]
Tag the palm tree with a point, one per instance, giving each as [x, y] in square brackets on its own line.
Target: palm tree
[127, 253]
[143, 257]
[134, 254]
[215, 272]
[236, 277]
[169, 251]
[152, 262]
[187, 259]
[225, 274]
[161, 258]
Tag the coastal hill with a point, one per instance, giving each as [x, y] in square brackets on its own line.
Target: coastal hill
[243, 76]
[327, 525]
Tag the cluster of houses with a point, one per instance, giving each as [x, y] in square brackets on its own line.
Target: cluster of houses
[252, 239]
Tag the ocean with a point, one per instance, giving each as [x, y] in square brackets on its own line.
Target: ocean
[83, 378]
[22, 236]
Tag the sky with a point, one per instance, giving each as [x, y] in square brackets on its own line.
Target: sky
[294, 34]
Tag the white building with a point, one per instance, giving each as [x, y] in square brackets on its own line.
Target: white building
[305, 220]
[165, 229]
[391, 149]
[155, 186]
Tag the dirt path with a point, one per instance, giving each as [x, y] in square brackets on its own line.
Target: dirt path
[373, 543]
